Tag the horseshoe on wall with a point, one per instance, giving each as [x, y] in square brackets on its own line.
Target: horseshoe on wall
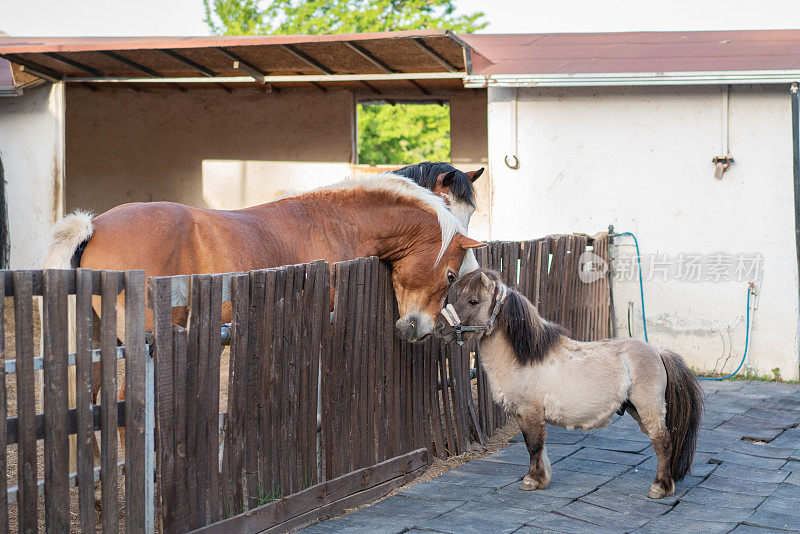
[514, 165]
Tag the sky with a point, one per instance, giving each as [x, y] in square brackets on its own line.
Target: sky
[185, 17]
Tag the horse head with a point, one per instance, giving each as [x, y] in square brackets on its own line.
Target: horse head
[421, 282]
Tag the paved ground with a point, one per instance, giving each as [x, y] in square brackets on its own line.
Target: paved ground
[600, 479]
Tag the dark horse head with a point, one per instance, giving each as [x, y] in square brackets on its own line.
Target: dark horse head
[454, 186]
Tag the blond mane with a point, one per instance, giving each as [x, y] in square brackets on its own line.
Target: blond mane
[402, 187]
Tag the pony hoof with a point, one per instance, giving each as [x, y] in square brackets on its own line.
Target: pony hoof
[655, 494]
[529, 486]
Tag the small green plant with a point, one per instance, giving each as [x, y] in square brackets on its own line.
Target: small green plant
[263, 496]
[776, 372]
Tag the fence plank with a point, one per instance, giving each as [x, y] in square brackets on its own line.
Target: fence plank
[320, 343]
[180, 372]
[160, 290]
[369, 383]
[325, 499]
[334, 365]
[108, 385]
[212, 421]
[193, 342]
[27, 472]
[291, 356]
[3, 412]
[137, 508]
[233, 465]
[56, 445]
[268, 447]
[254, 351]
[83, 395]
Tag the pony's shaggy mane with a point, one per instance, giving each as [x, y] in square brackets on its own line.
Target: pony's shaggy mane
[530, 336]
[426, 173]
[403, 188]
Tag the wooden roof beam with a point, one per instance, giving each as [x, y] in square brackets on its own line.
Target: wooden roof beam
[366, 54]
[73, 63]
[130, 63]
[434, 55]
[186, 61]
[306, 58]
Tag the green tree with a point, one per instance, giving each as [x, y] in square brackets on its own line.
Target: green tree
[283, 17]
[403, 133]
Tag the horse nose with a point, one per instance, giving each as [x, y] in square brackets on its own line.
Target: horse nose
[406, 328]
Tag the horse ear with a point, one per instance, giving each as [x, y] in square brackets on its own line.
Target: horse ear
[467, 242]
[474, 175]
[446, 179]
[485, 280]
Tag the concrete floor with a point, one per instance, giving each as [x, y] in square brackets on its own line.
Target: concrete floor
[745, 479]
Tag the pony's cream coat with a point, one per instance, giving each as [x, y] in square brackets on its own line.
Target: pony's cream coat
[540, 375]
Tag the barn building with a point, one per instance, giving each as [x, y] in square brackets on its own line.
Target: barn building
[688, 140]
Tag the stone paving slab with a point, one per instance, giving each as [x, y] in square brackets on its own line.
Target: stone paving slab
[600, 480]
[479, 518]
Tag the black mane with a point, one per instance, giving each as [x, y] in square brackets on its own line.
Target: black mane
[530, 336]
[425, 174]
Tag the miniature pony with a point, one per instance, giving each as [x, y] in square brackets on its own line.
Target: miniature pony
[540, 375]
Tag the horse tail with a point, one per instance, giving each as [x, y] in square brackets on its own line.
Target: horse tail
[70, 235]
[684, 400]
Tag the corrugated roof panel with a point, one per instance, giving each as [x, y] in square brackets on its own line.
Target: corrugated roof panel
[578, 53]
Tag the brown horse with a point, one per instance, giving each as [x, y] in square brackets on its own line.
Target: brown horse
[388, 216]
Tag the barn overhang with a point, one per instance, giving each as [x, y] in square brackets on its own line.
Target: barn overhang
[428, 60]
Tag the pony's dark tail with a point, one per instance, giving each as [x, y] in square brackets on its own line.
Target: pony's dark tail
[684, 400]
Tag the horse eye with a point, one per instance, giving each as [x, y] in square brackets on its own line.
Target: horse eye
[473, 302]
[451, 277]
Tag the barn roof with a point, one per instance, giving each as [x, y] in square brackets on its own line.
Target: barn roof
[342, 59]
[635, 58]
[425, 60]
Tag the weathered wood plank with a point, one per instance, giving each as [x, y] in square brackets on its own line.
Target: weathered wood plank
[3, 412]
[180, 373]
[26, 451]
[369, 385]
[320, 336]
[214, 502]
[334, 366]
[347, 490]
[136, 506]
[254, 351]
[108, 384]
[83, 395]
[159, 291]
[56, 445]
[233, 459]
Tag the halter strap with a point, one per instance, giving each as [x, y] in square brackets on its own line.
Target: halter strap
[452, 318]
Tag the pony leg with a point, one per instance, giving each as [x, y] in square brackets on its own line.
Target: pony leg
[654, 426]
[533, 430]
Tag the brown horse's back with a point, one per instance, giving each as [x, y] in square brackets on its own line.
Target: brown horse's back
[166, 239]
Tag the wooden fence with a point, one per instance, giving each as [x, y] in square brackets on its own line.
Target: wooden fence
[58, 421]
[246, 455]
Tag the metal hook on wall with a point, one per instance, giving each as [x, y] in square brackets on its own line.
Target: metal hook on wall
[513, 156]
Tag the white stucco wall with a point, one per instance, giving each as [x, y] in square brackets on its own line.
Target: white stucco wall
[32, 149]
[640, 159]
